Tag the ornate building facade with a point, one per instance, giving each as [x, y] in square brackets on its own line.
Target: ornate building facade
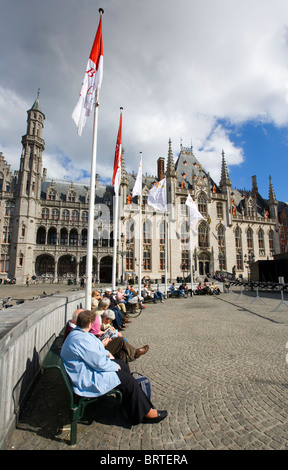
[44, 223]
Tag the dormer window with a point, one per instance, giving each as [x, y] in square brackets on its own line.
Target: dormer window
[71, 196]
[51, 194]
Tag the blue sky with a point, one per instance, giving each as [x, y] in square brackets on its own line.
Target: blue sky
[214, 73]
[265, 149]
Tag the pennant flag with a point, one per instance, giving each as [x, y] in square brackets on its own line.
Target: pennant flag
[157, 196]
[118, 158]
[194, 214]
[92, 81]
[137, 188]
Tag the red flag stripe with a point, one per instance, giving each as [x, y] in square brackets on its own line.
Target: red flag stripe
[97, 48]
[118, 151]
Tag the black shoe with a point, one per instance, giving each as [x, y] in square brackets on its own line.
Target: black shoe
[161, 415]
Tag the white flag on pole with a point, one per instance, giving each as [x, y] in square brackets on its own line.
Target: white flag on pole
[157, 196]
[92, 80]
[137, 188]
[194, 214]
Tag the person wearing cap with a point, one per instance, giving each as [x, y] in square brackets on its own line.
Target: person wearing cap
[93, 372]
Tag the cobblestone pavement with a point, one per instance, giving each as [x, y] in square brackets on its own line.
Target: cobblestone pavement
[217, 364]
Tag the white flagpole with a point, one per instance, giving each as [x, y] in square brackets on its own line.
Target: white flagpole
[115, 236]
[166, 255]
[140, 234]
[191, 252]
[89, 257]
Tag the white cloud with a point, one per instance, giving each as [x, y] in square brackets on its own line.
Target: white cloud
[176, 68]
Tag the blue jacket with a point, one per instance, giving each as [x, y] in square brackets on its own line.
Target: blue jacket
[91, 371]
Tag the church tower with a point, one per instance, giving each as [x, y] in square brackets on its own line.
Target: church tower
[28, 194]
[31, 158]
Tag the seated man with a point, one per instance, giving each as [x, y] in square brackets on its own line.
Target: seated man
[93, 372]
[182, 291]
[133, 298]
[71, 324]
[150, 293]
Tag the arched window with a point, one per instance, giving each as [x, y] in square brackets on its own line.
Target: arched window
[184, 233]
[73, 237]
[63, 236]
[84, 217]
[45, 213]
[238, 241]
[202, 204]
[249, 238]
[41, 236]
[238, 246]
[130, 231]
[221, 237]
[147, 232]
[271, 242]
[84, 237]
[52, 236]
[261, 244]
[75, 216]
[162, 233]
[65, 214]
[55, 214]
[203, 235]
[219, 209]
[6, 234]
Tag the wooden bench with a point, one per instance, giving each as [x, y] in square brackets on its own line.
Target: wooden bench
[77, 404]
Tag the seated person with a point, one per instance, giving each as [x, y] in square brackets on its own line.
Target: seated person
[71, 324]
[95, 298]
[93, 372]
[120, 321]
[148, 292]
[181, 291]
[201, 289]
[119, 316]
[172, 288]
[187, 290]
[121, 300]
[133, 298]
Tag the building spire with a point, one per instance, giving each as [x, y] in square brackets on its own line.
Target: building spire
[272, 197]
[36, 105]
[170, 170]
[225, 180]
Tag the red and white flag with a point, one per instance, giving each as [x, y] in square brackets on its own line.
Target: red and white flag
[118, 159]
[92, 81]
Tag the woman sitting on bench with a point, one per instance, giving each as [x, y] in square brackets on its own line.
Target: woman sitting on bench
[94, 371]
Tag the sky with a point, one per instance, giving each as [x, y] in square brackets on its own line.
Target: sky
[206, 73]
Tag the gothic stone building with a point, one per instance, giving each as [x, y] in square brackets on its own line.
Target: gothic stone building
[43, 223]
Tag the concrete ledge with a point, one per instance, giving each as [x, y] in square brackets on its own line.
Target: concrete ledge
[26, 332]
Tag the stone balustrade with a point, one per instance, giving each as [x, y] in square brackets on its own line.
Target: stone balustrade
[26, 333]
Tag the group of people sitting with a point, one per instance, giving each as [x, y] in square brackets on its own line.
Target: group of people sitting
[207, 289]
[98, 360]
[182, 291]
